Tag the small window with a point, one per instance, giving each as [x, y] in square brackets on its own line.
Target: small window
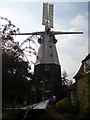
[47, 68]
[87, 66]
[50, 55]
[50, 46]
[49, 40]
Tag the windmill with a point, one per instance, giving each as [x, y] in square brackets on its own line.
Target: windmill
[47, 71]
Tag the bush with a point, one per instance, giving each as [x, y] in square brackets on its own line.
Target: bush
[85, 114]
[63, 106]
[9, 114]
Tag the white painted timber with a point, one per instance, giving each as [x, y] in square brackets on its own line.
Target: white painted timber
[41, 105]
[48, 55]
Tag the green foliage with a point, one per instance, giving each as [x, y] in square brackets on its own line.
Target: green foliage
[15, 68]
[9, 115]
[63, 105]
[14, 79]
[85, 114]
[88, 78]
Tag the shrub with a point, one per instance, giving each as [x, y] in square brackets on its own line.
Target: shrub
[9, 114]
[63, 106]
[85, 113]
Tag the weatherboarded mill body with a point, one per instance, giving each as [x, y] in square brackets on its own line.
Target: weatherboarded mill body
[47, 72]
[47, 69]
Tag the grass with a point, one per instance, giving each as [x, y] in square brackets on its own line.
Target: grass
[32, 115]
[9, 114]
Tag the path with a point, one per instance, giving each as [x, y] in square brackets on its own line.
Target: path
[55, 115]
[39, 111]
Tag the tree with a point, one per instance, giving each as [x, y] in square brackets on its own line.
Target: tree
[64, 78]
[15, 68]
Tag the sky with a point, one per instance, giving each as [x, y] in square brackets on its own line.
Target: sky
[68, 16]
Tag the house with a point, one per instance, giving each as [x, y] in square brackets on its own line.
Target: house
[82, 79]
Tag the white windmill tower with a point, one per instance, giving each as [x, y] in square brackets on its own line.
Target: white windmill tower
[47, 71]
[47, 68]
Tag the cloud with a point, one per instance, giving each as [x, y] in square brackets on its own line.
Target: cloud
[81, 21]
[72, 49]
[78, 20]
